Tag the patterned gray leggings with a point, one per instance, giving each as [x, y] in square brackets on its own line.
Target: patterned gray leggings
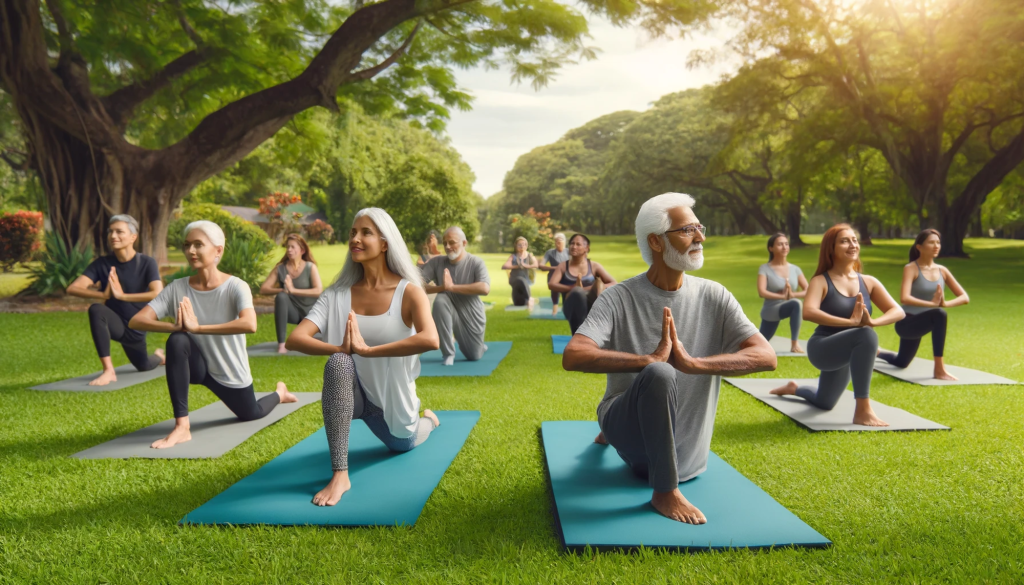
[343, 400]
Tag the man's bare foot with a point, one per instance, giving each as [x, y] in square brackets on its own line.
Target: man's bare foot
[864, 415]
[600, 440]
[795, 348]
[286, 396]
[106, 377]
[787, 390]
[180, 434]
[331, 494]
[674, 506]
[427, 413]
[160, 354]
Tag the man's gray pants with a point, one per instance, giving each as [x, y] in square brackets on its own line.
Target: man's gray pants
[448, 322]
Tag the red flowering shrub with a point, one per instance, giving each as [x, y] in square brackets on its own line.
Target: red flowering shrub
[319, 231]
[280, 223]
[19, 236]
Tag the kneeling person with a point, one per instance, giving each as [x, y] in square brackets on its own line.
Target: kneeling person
[461, 279]
[662, 391]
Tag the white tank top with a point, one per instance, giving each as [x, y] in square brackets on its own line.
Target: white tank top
[390, 382]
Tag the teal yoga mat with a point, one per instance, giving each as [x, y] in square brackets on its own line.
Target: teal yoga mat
[431, 366]
[558, 343]
[388, 489]
[600, 502]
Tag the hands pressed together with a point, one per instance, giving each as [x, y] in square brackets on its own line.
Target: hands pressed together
[353, 343]
[939, 299]
[186, 320]
[861, 317]
[447, 284]
[788, 291]
[114, 289]
[670, 349]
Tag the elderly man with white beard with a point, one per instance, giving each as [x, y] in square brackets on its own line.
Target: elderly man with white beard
[665, 338]
[460, 280]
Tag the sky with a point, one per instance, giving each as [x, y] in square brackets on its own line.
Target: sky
[630, 72]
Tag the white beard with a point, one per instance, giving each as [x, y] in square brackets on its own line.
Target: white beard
[677, 260]
[453, 256]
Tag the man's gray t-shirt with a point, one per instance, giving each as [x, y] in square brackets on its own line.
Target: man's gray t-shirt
[553, 257]
[469, 270]
[709, 321]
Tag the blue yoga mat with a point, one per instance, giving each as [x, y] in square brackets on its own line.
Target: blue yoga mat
[542, 313]
[600, 502]
[388, 489]
[558, 343]
[430, 362]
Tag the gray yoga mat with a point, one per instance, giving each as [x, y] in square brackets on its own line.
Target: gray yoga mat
[839, 418]
[920, 372]
[782, 345]
[516, 307]
[127, 376]
[215, 431]
[269, 349]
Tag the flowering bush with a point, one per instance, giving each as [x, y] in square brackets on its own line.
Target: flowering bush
[19, 236]
[319, 231]
[280, 222]
[536, 227]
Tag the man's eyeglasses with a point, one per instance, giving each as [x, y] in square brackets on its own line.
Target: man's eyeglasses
[690, 230]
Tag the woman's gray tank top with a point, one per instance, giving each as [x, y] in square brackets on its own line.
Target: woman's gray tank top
[303, 280]
[923, 289]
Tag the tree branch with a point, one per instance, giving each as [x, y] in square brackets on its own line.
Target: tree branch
[372, 71]
[122, 103]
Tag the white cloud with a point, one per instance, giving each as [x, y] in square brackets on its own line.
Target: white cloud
[629, 73]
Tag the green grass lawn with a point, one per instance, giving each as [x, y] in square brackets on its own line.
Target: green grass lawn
[907, 507]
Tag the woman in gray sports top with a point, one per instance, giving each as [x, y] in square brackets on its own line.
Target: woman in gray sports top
[844, 345]
[296, 282]
[924, 303]
[780, 284]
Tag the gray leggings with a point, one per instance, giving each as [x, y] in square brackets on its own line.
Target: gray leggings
[792, 310]
[840, 356]
[343, 401]
[286, 312]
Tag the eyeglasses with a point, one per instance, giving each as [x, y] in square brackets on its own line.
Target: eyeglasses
[690, 230]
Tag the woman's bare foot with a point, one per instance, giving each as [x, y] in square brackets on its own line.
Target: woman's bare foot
[674, 506]
[106, 377]
[427, 413]
[160, 354]
[281, 348]
[864, 415]
[554, 310]
[795, 348]
[331, 494]
[286, 396]
[529, 303]
[600, 440]
[787, 390]
[941, 373]
[180, 434]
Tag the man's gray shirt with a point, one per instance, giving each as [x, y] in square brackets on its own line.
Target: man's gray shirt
[471, 269]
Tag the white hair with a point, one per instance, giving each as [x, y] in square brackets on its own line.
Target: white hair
[457, 230]
[653, 219]
[212, 231]
[133, 225]
[397, 254]
[560, 236]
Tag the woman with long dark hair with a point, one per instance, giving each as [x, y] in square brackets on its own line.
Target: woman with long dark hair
[296, 282]
[844, 345]
[780, 284]
[924, 302]
[580, 281]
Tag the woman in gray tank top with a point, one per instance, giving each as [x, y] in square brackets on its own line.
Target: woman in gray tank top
[296, 282]
[923, 298]
[844, 345]
[520, 265]
[780, 284]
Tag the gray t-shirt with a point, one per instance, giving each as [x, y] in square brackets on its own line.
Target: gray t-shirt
[225, 355]
[553, 257]
[775, 284]
[471, 269]
[709, 321]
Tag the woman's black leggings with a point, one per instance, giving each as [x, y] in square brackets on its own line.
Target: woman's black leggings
[792, 310]
[186, 365]
[840, 357]
[911, 329]
[106, 325]
[520, 291]
[554, 294]
[286, 312]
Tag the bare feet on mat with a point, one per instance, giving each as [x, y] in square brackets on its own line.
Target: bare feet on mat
[281, 348]
[674, 506]
[864, 415]
[529, 303]
[427, 413]
[106, 377]
[554, 310]
[941, 373]
[600, 440]
[787, 390]
[180, 434]
[160, 354]
[286, 396]
[795, 348]
[331, 494]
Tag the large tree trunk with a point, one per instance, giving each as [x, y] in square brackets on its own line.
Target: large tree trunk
[793, 218]
[863, 226]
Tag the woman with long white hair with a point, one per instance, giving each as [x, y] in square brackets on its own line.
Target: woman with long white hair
[374, 322]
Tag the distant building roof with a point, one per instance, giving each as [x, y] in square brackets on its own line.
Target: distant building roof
[308, 219]
[249, 214]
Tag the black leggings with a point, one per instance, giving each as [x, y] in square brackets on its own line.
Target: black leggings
[520, 291]
[286, 312]
[911, 329]
[554, 294]
[792, 310]
[186, 365]
[106, 325]
[577, 305]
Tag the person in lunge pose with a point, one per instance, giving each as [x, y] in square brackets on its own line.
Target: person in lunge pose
[212, 313]
[374, 322]
[296, 282]
[925, 304]
[579, 280]
[780, 284]
[845, 343]
[519, 265]
[126, 281]
[658, 410]
[552, 258]
[460, 279]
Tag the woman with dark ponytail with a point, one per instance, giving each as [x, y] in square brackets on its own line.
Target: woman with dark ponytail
[780, 284]
[924, 302]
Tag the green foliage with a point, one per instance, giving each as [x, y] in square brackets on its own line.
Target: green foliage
[19, 236]
[246, 259]
[182, 272]
[59, 266]
[235, 228]
[537, 228]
